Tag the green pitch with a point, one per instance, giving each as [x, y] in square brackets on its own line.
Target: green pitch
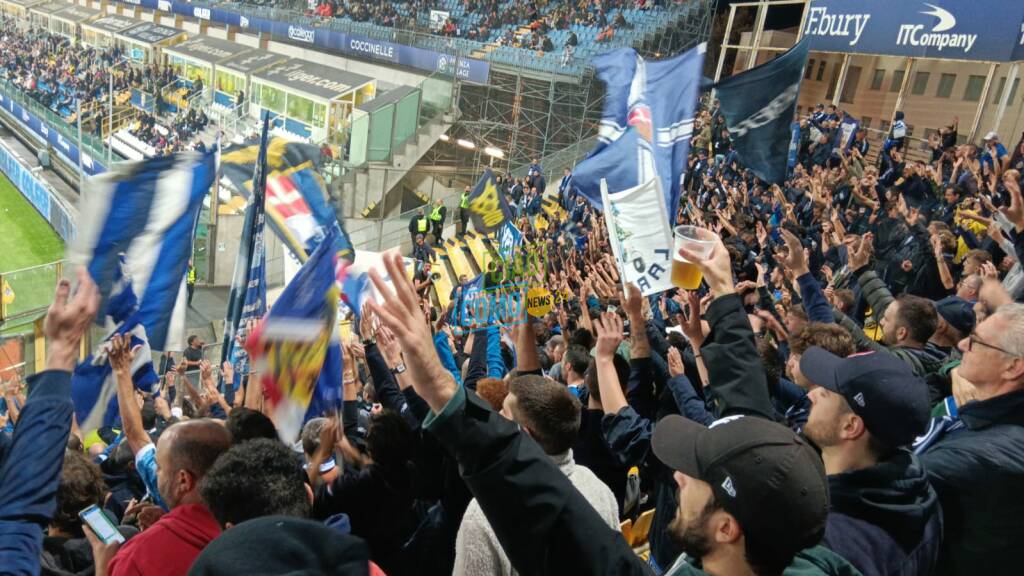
[28, 238]
[27, 241]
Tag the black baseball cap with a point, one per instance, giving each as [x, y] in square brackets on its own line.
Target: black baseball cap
[957, 312]
[880, 388]
[760, 471]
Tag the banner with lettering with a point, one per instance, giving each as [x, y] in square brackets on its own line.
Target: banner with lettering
[758, 106]
[640, 236]
[487, 205]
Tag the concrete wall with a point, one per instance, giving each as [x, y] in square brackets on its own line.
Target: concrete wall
[229, 233]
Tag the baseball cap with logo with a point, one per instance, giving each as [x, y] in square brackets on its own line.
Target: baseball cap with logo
[760, 471]
[880, 388]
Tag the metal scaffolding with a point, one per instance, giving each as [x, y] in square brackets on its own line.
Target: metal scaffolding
[530, 114]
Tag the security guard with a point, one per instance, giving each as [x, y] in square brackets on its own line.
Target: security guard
[418, 225]
[190, 282]
[437, 216]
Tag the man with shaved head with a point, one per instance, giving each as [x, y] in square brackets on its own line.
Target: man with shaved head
[185, 452]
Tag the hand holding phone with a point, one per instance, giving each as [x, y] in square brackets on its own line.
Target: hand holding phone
[101, 525]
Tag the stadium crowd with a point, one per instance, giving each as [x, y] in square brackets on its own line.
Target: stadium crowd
[57, 72]
[844, 395]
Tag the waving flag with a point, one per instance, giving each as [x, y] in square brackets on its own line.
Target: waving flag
[296, 348]
[93, 388]
[148, 212]
[487, 204]
[758, 106]
[295, 193]
[247, 300]
[646, 123]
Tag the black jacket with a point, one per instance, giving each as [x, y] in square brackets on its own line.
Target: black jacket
[978, 472]
[379, 505]
[544, 524]
[885, 520]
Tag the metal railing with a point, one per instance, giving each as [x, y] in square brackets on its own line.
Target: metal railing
[28, 290]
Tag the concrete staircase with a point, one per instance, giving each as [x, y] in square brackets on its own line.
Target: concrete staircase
[370, 184]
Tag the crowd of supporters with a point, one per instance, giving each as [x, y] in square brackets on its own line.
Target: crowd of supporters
[492, 20]
[58, 73]
[843, 395]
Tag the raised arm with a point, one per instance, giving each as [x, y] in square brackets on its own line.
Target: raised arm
[543, 523]
[121, 356]
[735, 374]
[31, 472]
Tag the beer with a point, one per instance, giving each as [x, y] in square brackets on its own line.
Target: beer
[699, 241]
[685, 275]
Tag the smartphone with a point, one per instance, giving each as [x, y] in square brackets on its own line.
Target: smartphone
[101, 525]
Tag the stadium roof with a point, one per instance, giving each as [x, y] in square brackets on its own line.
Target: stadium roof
[207, 49]
[49, 7]
[112, 24]
[75, 13]
[316, 80]
[251, 61]
[149, 33]
[24, 3]
[389, 97]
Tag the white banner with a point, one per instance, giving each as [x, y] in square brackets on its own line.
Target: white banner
[640, 236]
[437, 19]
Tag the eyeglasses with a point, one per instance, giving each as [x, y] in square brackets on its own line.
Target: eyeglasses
[973, 339]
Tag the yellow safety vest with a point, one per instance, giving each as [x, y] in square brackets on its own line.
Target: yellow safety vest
[192, 275]
[465, 200]
[436, 214]
[421, 224]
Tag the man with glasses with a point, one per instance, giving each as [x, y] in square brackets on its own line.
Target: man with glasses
[976, 462]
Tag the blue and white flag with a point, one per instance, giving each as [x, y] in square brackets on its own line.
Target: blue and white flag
[148, 212]
[247, 300]
[758, 106]
[646, 124]
[509, 239]
[93, 387]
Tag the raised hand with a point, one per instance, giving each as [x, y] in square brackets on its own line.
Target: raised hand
[689, 319]
[860, 257]
[1015, 211]
[633, 303]
[795, 259]
[389, 346]
[227, 370]
[121, 353]
[609, 334]
[68, 319]
[717, 268]
[401, 313]
[675, 362]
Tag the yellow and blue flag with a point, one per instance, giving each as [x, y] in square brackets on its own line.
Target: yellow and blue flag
[296, 348]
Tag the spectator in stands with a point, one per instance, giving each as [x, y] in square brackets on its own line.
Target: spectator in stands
[257, 494]
[421, 251]
[550, 415]
[865, 410]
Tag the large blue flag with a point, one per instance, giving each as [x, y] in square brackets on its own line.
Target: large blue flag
[758, 106]
[247, 300]
[93, 387]
[296, 348]
[148, 212]
[646, 123]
